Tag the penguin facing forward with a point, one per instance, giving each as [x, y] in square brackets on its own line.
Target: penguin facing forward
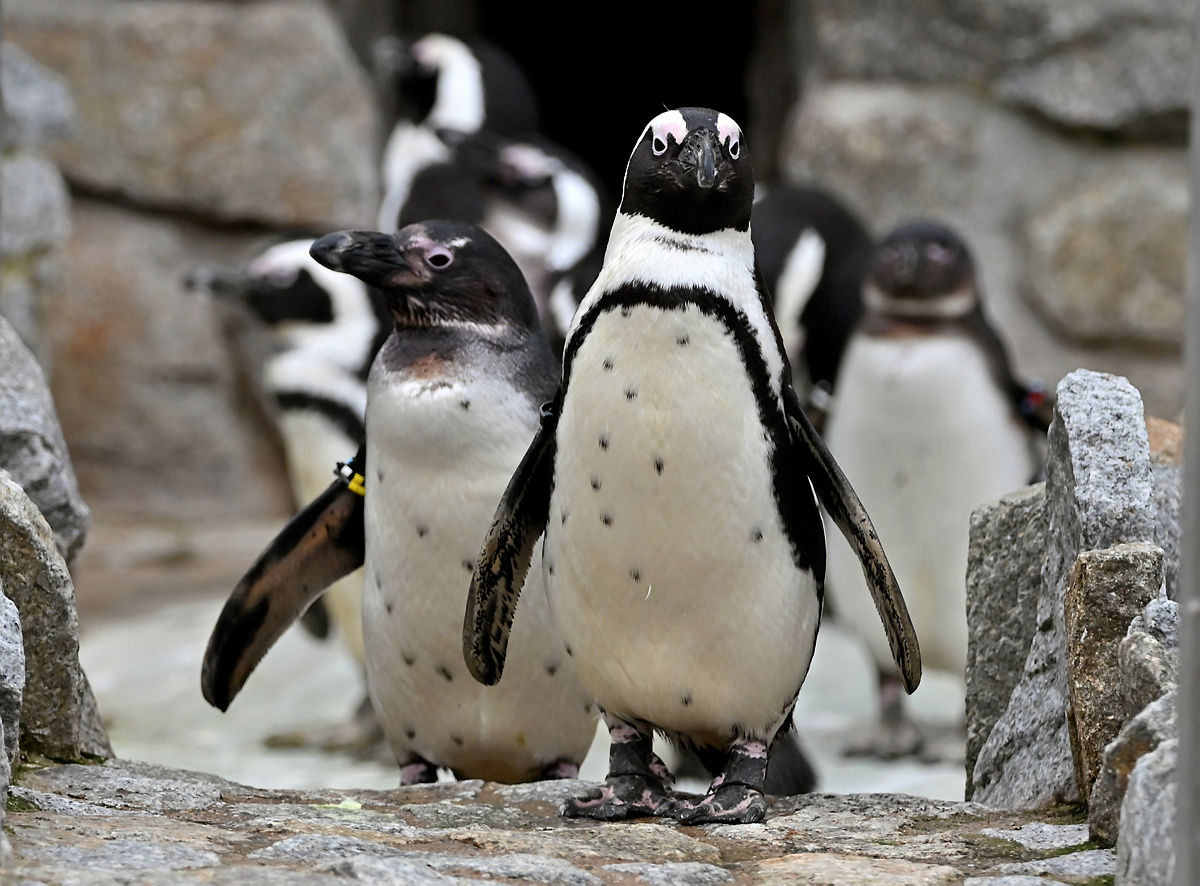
[673, 477]
[929, 422]
[814, 254]
[452, 403]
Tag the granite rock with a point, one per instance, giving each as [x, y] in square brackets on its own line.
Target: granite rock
[12, 677]
[35, 207]
[58, 712]
[1148, 670]
[38, 106]
[1004, 571]
[1107, 589]
[204, 107]
[32, 448]
[1146, 845]
[1141, 735]
[1099, 493]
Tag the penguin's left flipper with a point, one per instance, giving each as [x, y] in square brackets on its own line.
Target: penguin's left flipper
[323, 543]
[507, 552]
[842, 503]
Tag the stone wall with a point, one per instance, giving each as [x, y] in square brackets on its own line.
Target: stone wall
[201, 132]
[1050, 133]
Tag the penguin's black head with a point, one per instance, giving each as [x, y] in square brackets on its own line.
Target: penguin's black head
[435, 273]
[690, 171]
[923, 269]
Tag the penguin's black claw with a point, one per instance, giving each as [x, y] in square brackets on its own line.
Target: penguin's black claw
[728, 804]
[622, 797]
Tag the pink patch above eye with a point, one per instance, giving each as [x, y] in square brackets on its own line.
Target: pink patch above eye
[727, 129]
[668, 123]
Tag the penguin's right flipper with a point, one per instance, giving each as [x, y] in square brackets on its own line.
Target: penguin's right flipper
[844, 506]
[321, 544]
[507, 552]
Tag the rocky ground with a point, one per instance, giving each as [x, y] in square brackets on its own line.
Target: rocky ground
[148, 597]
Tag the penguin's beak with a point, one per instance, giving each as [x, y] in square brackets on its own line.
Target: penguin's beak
[698, 155]
[368, 255]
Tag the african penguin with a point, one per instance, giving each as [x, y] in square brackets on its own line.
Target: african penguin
[452, 403]
[323, 330]
[813, 253]
[673, 477]
[928, 424]
[449, 90]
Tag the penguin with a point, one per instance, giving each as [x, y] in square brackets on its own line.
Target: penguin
[323, 331]
[453, 400]
[449, 90]
[676, 479]
[929, 422]
[813, 252]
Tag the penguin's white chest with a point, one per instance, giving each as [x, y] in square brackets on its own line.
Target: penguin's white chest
[669, 572]
[440, 453]
[925, 436]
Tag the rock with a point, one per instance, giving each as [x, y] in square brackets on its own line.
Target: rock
[1106, 256]
[1148, 671]
[1098, 494]
[32, 448]
[1043, 837]
[1146, 846]
[38, 106]
[12, 678]
[1166, 457]
[1004, 572]
[204, 107]
[1107, 589]
[58, 714]
[35, 205]
[1160, 620]
[151, 394]
[1120, 66]
[1078, 867]
[1141, 735]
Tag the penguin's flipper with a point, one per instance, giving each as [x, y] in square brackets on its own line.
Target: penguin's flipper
[844, 506]
[507, 552]
[321, 544]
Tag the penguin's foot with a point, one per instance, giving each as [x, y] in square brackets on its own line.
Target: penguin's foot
[418, 771]
[621, 797]
[736, 795]
[563, 768]
[636, 782]
[896, 735]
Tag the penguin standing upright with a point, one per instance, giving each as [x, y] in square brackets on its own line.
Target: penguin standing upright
[673, 477]
[452, 403]
[928, 423]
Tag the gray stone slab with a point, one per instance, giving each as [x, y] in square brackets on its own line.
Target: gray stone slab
[32, 448]
[1076, 867]
[35, 206]
[1041, 836]
[238, 111]
[1099, 493]
[38, 106]
[127, 855]
[58, 714]
[678, 874]
[12, 676]
[1146, 846]
[1004, 576]
[1148, 670]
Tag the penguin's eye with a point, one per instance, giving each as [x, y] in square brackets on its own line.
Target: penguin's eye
[439, 258]
[658, 146]
[735, 148]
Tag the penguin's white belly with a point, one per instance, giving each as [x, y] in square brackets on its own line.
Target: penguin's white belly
[668, 569]
[436, 471]
[925, 437]
[313, 445]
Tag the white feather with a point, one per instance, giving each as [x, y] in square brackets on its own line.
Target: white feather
[801, 273]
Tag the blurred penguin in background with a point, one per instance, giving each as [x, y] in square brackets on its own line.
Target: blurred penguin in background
[928, 422]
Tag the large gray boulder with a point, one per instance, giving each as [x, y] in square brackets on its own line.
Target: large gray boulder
[1004, 578]
[238, 111]
[1117, 65]
[1099, 493]
[12, 677]
[59, 719]
[1146, 846]
[38, 106]
[32, 448]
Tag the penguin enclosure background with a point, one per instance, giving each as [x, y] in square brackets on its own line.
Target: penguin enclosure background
[153, 146]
